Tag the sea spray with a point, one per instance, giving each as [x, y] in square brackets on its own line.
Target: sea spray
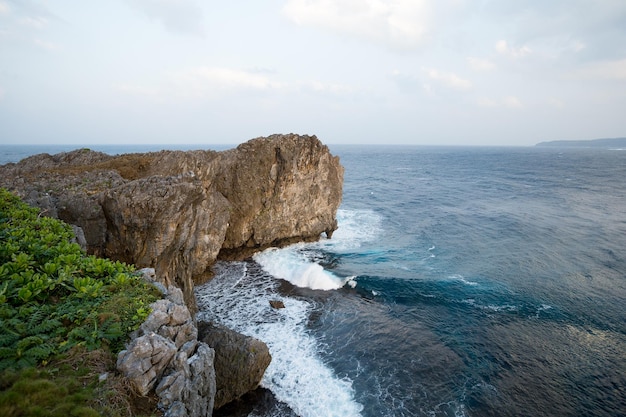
[292, 265]
[296, 375]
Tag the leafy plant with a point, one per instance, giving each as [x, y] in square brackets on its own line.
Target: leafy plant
[54, 297]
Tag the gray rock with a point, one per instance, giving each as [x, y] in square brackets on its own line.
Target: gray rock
[191, 382]
[177, 409]
[200, 394]
[184, 379]
[189, 347]
[170, 389]
[240, 361]
[80, 237]
[145, 360]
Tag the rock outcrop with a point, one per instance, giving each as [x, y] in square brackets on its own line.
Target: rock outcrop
[179, 211]
[165, 357]
[240, 361]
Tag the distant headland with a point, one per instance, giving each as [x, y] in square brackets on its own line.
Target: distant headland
[592, 143]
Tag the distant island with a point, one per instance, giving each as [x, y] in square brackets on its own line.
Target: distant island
[593, 143]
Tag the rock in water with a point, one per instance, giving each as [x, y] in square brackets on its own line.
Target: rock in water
[240, 361]
[178, 211]
[277, 304]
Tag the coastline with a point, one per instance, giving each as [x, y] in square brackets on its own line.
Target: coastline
[177, 211]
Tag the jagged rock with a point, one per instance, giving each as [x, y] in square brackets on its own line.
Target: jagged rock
[190, 382]
[200, 394]
[240, 361]
[173, 224]
[178, 211]
[277, 304]
[183, 377]
[145, 360]
[176, 410]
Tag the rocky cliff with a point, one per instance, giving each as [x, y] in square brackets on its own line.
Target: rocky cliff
[180, 211]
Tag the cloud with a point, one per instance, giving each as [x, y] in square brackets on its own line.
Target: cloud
[510, 102]
[46, 45]
[224, 79]
[399, 24]
[448, 79]
[406, 82]
[503, 48]
[487, 102]
[328, 88]
[556, 103]
[31, 10]
[178, 16]
[139, 91]
[604, 70]
[428, 81]
[220, 82]
[478, 64]
[199, 83]
[37, 22]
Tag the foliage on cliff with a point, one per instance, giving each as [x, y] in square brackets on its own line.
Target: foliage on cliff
[56, 301]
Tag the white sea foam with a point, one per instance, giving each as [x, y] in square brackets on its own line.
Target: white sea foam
[295, 264]
[504, 307]
[292, 265]
[461, 278]
[542, 307]
[296, 375]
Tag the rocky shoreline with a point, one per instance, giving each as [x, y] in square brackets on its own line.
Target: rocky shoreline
[178, 212]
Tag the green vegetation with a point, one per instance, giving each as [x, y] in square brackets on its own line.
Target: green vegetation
[58, 306]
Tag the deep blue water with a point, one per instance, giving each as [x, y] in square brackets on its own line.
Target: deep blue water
[461, 282]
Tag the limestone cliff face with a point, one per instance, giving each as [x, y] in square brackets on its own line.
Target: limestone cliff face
[178, 211]
[280, 188]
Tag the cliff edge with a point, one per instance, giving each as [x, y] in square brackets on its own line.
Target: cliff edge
[178, 212]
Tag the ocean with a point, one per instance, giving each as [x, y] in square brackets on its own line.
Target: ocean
[461, 282]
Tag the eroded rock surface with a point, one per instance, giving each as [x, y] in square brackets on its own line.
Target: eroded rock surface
[166, 357]
[178, 211]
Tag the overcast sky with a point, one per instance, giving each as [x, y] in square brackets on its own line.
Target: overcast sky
[436, 72]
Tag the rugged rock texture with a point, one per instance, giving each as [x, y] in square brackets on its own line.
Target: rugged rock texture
[179, 211]
[166, 357]
[240, 361]
[281, 188]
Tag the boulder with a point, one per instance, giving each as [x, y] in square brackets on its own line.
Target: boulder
[240, 361]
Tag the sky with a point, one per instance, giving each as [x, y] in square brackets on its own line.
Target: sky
[421, 72]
